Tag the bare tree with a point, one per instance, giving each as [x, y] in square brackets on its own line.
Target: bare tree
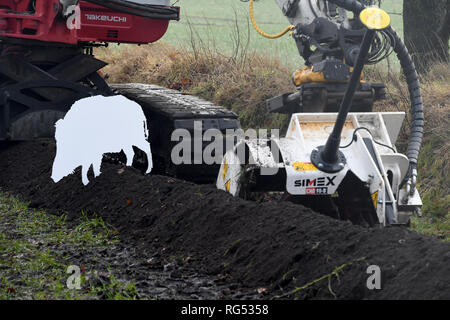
[427, 30]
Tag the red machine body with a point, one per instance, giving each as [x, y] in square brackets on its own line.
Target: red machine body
[96, 24]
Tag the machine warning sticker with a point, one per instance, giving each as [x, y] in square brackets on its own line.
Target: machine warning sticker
[375, 199]
[225, 169]
[304, 166]
[227, 185]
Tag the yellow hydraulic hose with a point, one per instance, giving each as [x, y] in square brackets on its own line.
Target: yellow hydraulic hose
[258, 29]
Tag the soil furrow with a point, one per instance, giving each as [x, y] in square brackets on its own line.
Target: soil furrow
[275, 245]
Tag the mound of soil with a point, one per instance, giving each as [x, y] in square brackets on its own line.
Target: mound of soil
[276, 245]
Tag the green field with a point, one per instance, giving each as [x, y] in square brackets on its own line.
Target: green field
[216, 21]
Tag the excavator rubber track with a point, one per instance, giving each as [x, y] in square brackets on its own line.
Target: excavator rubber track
[35, 97]
[167, 110]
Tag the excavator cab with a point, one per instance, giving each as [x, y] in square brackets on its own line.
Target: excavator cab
[47, 62]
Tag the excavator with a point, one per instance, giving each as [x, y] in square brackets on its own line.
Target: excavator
[338, 156]
[47, 63]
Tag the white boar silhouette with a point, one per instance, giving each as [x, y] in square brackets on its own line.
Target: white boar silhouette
[97, 125]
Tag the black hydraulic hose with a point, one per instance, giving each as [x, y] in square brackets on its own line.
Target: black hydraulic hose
[412, 79]
[142, 10]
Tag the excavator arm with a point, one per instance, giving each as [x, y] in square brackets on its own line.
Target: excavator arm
[329, 42]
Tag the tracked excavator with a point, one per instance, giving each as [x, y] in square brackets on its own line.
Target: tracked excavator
[47, 63]
[338, 156]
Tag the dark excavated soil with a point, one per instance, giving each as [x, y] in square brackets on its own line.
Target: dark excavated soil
[275, 245]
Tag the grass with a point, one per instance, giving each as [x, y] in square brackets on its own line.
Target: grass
[213, 52]
[241, 82]
[36, 250]
[329, 277]
[216, 21]
[433, 226]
